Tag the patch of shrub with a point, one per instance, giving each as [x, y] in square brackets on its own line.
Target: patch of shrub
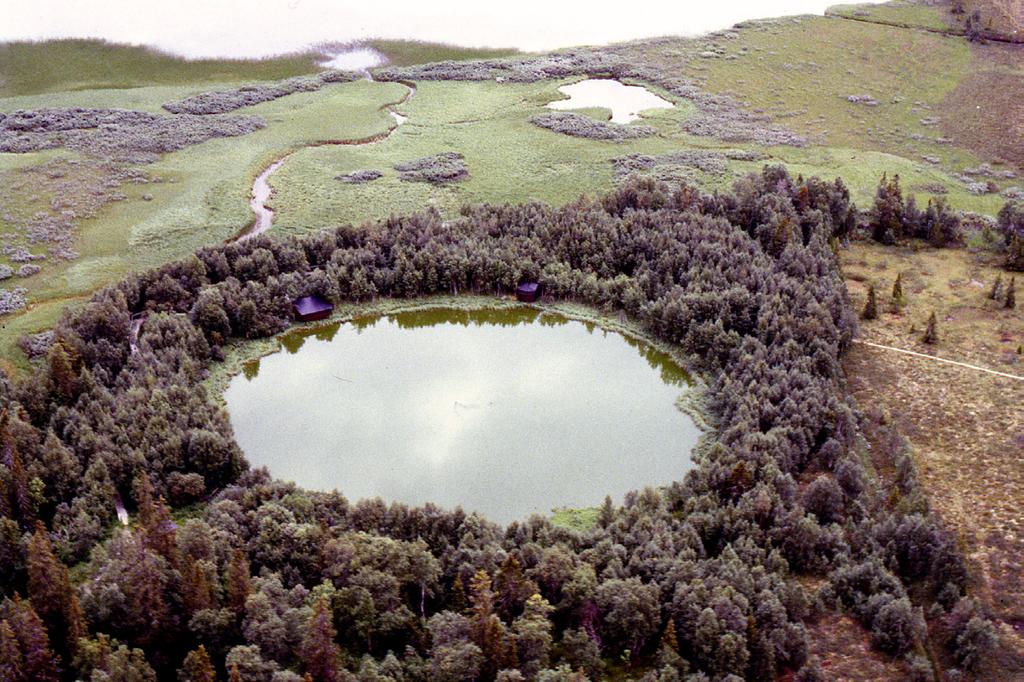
[437, 169]
[359, 177]
[119, 134]
[36, 345]
[579, 125]
[223, 101]
[1011, 226]
[13, 300]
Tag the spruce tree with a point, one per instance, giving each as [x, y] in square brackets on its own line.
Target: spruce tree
[931, 333]
[897, 292]
[40, 663]
[871, 308]
[197, 667]
[51, 592]
[238, 578]
[1011, 294]
[12, 663]
[996, 293]
[319, 652]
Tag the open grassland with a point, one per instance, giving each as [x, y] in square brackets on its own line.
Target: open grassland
[31, 68]
[932, 16]
[409, 52]
[1001, 20]
[510, 159]
[28, 68]
[203, 192]
[925, 124]
[965, 428]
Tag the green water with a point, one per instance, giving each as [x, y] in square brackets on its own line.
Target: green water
[507, 412]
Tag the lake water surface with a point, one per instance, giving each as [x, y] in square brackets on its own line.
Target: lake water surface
[506, 412]
[625, 101]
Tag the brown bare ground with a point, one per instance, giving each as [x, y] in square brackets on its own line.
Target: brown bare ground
[966, 428]
[1002, 17]
[985, 112]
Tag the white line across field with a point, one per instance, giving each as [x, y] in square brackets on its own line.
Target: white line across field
[932, 357]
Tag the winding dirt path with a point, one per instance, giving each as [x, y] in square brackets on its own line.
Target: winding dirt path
[262, 191]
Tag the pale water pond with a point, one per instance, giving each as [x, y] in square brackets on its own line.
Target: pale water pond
[625, 101]
[507, 412]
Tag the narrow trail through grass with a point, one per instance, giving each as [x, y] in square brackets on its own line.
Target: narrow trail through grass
[938, 359]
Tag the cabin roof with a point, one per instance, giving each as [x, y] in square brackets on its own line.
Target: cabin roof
[308, 305]
[528, 287]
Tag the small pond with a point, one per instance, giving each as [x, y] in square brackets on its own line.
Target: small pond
[506, 411]
[352, 58]
[625, 101]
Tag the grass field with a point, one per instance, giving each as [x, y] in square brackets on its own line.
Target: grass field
[203, 197]
[798, 70]
[965, 428]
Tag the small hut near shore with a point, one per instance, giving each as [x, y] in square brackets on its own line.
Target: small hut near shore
[309, 308]
[528, 292]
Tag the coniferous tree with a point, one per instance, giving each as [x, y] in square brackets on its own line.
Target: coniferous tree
[888, 212]
[51, 592]
[996, 292]
[238, 581]
[871, 307]
[17, 488]
[897, 292]
[1011, 294]
[12, 663]
[486, 629]
[39, 662]
[197, 667]
[533, 635]
[319, 652]
[160, 532]
[931, 334]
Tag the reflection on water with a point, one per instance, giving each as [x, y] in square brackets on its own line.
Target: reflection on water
[625, 101]
[507, 412]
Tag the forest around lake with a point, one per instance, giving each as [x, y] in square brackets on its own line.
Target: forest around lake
[679, 359]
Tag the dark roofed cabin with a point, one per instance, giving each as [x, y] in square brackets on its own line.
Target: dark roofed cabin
[529, 292]
[309, 308]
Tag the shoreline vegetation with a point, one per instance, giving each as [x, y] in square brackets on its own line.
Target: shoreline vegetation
[781, 492]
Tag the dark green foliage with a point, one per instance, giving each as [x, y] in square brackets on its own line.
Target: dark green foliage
[973, 634]
[931, 334]
[892, 219]
[888, 215]
[1011, 225]
[1011, 294]
[996, 292]
[871, 307]
[939, 225]
[273, 578]
[898, 300]
[973, 27]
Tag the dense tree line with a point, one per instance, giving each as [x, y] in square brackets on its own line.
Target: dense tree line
[271, 582]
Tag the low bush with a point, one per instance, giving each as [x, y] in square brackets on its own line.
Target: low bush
[578, 125]
[437, 169]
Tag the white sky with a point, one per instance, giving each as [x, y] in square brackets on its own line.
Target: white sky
[254, 28]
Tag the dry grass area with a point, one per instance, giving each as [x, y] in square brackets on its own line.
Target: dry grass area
[1003, 17]
[966, 428]
[985, 112]
[844, 649]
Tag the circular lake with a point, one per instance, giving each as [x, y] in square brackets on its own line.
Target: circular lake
[507, 412]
